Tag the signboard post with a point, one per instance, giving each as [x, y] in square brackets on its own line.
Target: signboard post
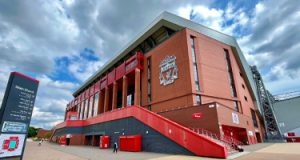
[15, 114]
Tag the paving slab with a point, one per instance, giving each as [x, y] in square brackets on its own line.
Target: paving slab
[35, 152]
[284, 148]
[51, 151]
[95, 153]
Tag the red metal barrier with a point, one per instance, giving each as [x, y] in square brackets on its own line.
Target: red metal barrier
[104, 142]
[197, 144]
[123, 143]
[293, 139]
[131, 143]
[62, 140]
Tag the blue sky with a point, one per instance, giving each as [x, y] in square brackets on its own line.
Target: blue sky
[63, 42]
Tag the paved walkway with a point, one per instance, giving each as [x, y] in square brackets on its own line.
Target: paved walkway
[49, 151]
[45, 152]
[277, 151]
[94, 153]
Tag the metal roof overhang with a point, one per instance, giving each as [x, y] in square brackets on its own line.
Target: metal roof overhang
[155, 25]
[177, 23]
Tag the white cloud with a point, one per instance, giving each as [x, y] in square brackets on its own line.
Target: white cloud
[46, 120]
[51, 101]
[35, 34]
[273, 44]
[83, 68]
[259, 8]
[267, 34]
[4, 72]
[281, 75]
[212, 18]
[216, 18]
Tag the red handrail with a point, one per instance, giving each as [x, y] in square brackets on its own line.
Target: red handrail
[227, 139]
[198, 144]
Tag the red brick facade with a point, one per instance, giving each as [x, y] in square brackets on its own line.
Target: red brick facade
[213, 79]
[178, 100]
[42, 133]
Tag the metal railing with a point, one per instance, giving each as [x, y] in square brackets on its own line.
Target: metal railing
[230, 142]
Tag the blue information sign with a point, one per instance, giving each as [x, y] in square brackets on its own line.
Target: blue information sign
[15, 114]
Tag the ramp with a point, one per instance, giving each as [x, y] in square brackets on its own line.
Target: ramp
[198, 144]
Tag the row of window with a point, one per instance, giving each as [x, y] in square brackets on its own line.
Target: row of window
[149, 81]
[88, 108]
[230, 74]
[195, 69]
[231, 80]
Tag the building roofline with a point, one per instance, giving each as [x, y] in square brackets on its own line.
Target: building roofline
[288, 99]
[177, 23]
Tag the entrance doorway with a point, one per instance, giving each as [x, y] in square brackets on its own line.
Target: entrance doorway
[88, 140]
[258, 138]
[96, 140]
[130, 89]
[236, 133]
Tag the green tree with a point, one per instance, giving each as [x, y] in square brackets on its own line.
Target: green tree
[32, 132]
[48, 135]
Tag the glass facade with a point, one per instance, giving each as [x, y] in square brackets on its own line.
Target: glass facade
[78, 110]
[253, 115]
[198, 99]
[149, 78]
[91, 107]
[195, 68]
[86, 107]
[96, 103]
[230, 74]
[236, 106]
[82, 110]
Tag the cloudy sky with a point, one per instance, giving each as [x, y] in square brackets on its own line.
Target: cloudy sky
[63, 42]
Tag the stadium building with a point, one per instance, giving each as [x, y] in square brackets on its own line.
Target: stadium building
[178, 87]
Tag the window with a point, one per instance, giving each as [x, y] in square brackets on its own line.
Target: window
[82, 110]
[195, 68]
[96, 102]
[198, 99]
[243, 86]
[73, 118]
[78, 111]
[230, 74]
[253, 115]
[78, 108]
[91, 107]
[246, 98]
[236, 106]
[86, 108]
[149, 107]
[149, 79]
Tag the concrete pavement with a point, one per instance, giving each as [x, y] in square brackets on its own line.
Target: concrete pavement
[45, 152]
[50, 151]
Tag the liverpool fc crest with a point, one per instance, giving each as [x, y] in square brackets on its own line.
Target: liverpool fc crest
[168, 70]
